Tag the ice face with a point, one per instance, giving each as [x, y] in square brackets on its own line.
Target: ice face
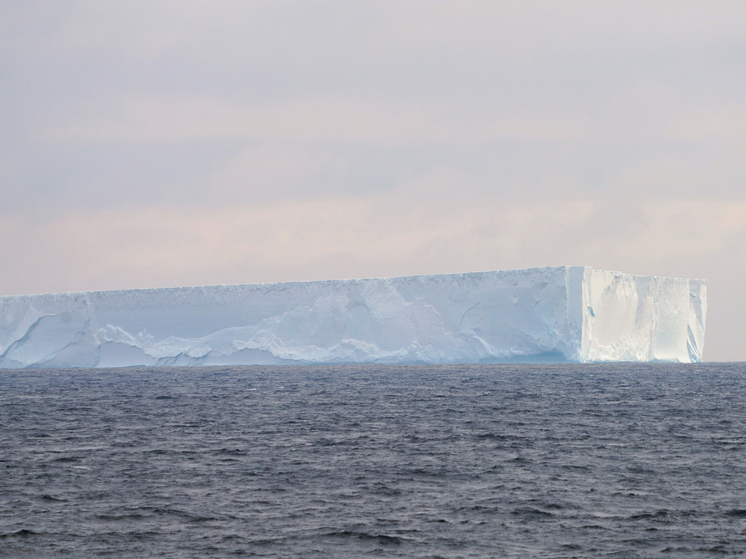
[643, 318]
[555, 314]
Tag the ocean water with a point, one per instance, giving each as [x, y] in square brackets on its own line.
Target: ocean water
[619, 460]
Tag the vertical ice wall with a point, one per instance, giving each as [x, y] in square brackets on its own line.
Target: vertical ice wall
[541, 314]
[642, 318]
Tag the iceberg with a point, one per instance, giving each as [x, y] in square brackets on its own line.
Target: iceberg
[557, 314]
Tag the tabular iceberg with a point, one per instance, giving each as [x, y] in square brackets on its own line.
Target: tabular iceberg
[559, 314]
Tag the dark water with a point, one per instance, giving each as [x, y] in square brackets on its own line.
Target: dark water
[463, 461]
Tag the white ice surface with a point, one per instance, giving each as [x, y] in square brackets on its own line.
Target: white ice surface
[541, 314]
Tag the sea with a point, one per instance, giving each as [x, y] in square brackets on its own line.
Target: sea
[555, 461]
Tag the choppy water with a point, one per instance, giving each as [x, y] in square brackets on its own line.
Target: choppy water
[461, 461]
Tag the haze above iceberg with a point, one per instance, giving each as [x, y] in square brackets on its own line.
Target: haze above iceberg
[558, 314]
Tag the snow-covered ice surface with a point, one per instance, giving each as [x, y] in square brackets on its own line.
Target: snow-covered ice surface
[559, 314]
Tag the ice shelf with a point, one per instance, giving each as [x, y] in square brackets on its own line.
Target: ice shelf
[559, 314]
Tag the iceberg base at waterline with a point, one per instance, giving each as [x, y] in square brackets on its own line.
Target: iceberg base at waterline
[557, 314]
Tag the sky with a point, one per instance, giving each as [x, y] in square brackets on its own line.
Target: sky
[152, 144]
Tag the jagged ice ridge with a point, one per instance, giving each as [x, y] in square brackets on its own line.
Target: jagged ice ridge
[559, 314]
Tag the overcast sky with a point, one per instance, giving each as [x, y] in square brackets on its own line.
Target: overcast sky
[149, 144]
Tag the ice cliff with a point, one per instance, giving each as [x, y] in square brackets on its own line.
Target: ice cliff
[541, 314]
